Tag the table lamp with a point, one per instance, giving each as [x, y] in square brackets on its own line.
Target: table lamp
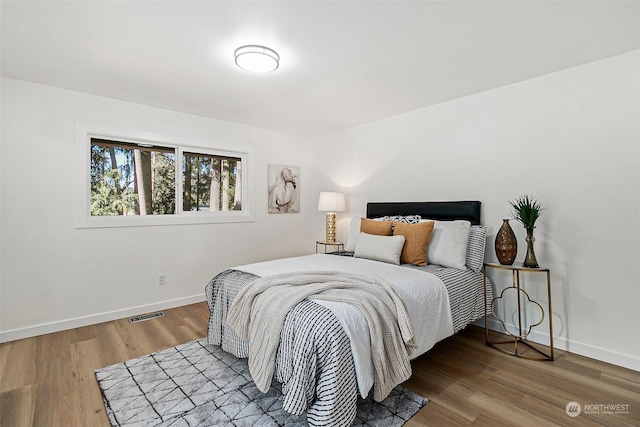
[331, 203]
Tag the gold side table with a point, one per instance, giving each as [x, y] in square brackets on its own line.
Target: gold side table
[518, 341]
[338, 245]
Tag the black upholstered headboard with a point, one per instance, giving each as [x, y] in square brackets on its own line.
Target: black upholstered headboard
[467, 210]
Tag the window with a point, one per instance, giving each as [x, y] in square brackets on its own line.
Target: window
[211, 182]
[130, 179]
[141, 179]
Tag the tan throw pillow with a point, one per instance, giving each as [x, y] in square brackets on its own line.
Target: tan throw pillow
[416, 240]
[378, 228]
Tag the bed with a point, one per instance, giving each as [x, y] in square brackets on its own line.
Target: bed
[323, 360]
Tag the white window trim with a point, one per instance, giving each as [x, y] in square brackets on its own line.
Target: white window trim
[82, 188]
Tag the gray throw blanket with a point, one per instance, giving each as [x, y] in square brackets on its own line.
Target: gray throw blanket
[258, 312]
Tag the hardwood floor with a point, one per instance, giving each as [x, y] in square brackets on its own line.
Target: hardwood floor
[49, 380]
[469, 383]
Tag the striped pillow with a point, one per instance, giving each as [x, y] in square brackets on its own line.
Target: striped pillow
[475, 247]
[405, 219]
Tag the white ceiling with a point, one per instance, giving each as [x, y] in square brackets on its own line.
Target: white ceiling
[342, 63]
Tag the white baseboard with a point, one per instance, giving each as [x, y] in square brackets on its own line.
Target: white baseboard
[619, 359]
[62, 325]
[608, 356]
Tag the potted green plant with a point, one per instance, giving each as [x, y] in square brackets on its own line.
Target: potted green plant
[526, 210]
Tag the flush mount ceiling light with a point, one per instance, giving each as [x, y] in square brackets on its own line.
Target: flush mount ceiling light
[257, 59]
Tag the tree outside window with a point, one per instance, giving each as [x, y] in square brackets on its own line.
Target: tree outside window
[138, 179]
[211, 183]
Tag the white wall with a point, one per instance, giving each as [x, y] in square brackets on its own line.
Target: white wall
[55, 276]
[572, 139]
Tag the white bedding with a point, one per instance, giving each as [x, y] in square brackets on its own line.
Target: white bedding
[424, 295]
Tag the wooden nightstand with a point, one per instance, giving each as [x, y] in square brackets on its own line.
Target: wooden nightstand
[338, 245]
[522, 297]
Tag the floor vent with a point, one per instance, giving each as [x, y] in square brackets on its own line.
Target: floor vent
[144, 317]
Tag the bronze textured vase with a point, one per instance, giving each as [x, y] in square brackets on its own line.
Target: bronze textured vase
[506, 244]
[530, 260]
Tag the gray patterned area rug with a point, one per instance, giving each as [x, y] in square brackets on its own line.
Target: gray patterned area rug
[199, 385]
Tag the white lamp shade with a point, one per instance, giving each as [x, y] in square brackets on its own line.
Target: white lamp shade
[331, 202]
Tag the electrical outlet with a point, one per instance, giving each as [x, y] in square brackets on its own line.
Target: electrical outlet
[162, 279]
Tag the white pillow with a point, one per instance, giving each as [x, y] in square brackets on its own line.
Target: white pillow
[448, 244]
[354, 232]
[379, 248]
